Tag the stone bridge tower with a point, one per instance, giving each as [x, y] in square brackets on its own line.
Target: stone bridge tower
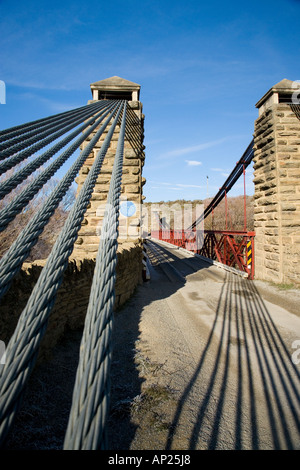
[277, 185]
[129, 269]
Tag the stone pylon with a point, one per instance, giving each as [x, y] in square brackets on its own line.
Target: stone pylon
[277, 184]
[130, 237]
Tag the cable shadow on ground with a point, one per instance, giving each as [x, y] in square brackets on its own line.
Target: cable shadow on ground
[126, 382]
[243, 327]
[248, 339]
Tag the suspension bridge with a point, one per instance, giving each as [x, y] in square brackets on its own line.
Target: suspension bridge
[109, 133]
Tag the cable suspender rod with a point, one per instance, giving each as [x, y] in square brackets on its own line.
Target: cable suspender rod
[244, 161]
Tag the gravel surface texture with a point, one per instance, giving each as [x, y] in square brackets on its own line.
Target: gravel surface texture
[203, 359]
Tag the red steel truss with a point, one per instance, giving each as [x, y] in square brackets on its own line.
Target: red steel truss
[233, 248]
[230, 247]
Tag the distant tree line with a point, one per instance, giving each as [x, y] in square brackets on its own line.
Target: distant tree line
[217, 220]
[47, 238]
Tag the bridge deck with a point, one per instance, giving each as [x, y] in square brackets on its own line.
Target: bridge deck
[202, 359]
[216, 343]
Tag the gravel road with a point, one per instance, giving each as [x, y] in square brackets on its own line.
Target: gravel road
[203, 359]
[214, 356]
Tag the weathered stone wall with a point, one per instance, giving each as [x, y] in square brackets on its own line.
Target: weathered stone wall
[277, 195]
[73, 296]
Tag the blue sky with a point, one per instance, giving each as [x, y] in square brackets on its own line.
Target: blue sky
[202, 66]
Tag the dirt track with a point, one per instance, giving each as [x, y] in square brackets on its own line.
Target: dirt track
[214, 356]
[202, 360]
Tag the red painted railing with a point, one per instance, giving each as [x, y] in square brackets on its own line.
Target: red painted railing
[233, 248]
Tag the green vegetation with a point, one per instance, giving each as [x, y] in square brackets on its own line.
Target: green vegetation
[283, 286]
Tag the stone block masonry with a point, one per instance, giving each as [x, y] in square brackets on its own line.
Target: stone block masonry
[131, 190]
[73, 296]
[277, 190]
[130, 244]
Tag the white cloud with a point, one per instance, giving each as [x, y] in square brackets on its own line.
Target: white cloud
[174, 185]
[189, 185]
[53, 105]
[193, 162]
[161, 182]
[224, 172]
[194, 148]
[197, 148]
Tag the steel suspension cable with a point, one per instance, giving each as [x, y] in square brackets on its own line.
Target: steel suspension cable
[133, 122]
[18, 252]
[296, 109]
[35, 132]
[23, 347]
[20, 156]
[245, 160]
[133, 128]
[86, 428]
[38, 141]
[18, 130]
[15, 207]
[12, 182]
